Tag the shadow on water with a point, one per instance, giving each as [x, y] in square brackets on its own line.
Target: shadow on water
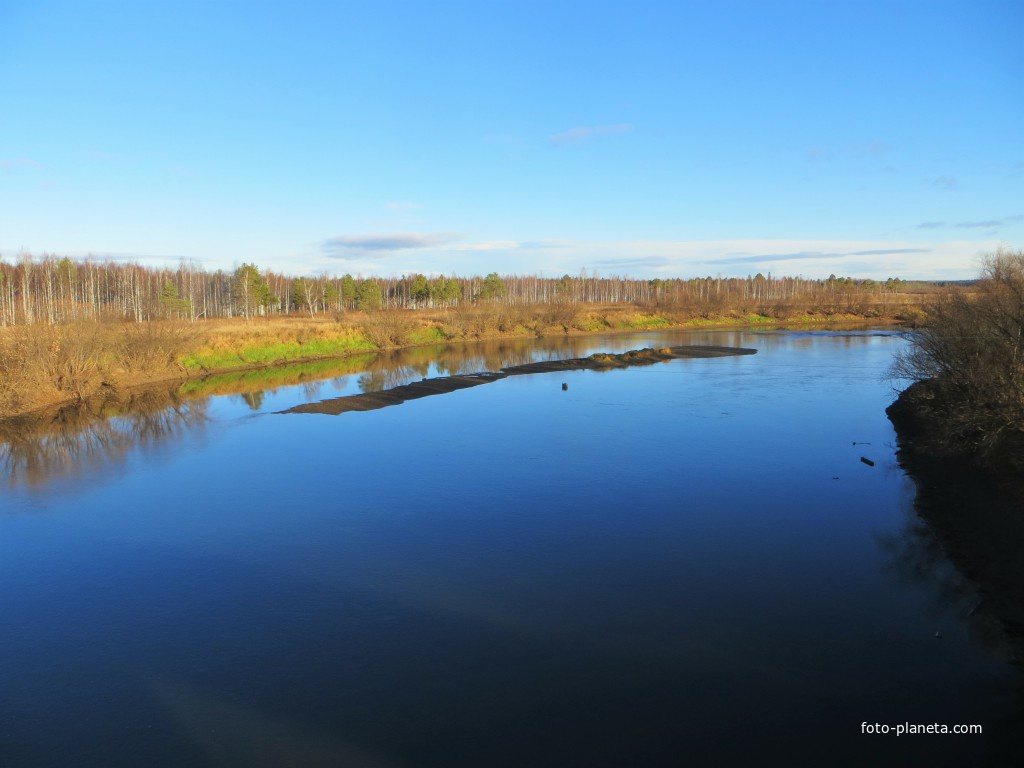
[972, 571]
[963, 539]
[978, 524]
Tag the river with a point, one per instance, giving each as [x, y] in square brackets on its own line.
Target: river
[683, 563]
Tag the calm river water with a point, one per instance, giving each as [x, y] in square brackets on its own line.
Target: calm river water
[686, 563]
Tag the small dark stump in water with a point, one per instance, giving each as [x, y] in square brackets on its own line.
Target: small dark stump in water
[565, 387]
[867, 461]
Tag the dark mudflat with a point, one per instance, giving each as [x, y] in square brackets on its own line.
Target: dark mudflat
[599, 361]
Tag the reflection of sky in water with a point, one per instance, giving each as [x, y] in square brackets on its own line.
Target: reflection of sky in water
[620, 573]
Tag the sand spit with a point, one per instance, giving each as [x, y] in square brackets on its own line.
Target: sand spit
[599, 361]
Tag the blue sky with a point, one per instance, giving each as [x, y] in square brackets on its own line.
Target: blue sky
[648, 139]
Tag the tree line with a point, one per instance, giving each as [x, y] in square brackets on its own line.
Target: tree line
[52, 289]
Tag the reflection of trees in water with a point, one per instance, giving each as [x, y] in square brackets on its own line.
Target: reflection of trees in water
[403, 367]
[916, 556]
[400, 367]
[81, 439]
[458, 359]
[379, 379]
[311, 389]
[919, 555]
[254, 399]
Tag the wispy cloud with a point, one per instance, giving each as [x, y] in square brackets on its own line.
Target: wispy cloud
[534, 245]
[575, 135]
[930, 225]
[945, 182]
[10, 163]
[353, 247]
[432, 253]
[990, 223]
[887, 252]
[775, 257]
[642, 261]
[986, 224]
[487, 245]
[812, 255]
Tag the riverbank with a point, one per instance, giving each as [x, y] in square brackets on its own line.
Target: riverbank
[44, 366]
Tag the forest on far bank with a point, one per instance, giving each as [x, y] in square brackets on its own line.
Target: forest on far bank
[54, 290]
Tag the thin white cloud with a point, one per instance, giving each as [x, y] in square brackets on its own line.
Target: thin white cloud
[489, 245]
[812, 255]
[539, 244]
[438, 253]
[351, 247]
[575, 135]
[990, 223]
[876, 259]
[640, 262]
[737, 258]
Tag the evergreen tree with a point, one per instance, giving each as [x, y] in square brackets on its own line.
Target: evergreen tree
[171, 301]
[419, 291]
[369, 296]
[493, 288]
[348, 292]
[250, 290]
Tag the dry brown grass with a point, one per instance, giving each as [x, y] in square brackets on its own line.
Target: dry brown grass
[42, 365]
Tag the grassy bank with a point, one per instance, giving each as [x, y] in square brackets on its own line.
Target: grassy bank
[43, 365]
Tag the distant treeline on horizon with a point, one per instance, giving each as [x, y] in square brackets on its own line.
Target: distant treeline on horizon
[52, 289]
